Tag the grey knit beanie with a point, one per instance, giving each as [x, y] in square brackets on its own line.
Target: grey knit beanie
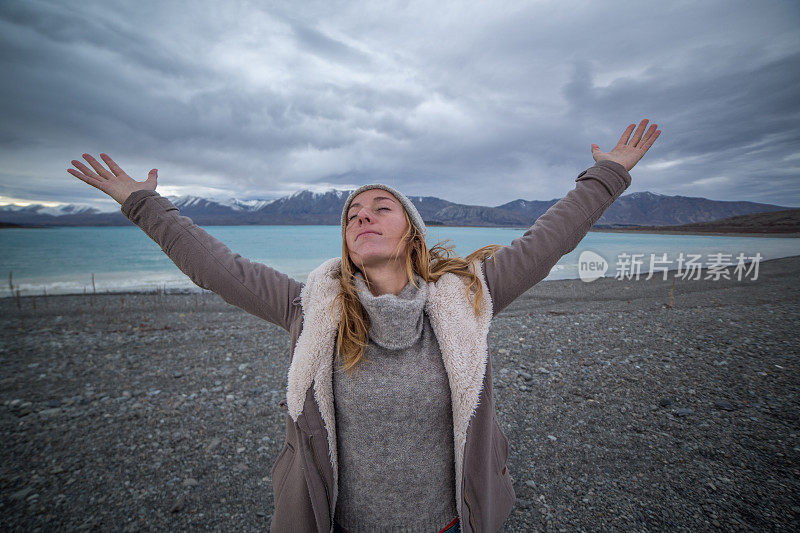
[413, 214]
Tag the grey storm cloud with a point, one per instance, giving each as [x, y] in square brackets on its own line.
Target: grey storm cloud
[477, 103]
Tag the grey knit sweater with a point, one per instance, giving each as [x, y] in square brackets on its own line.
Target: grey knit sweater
[394, 422]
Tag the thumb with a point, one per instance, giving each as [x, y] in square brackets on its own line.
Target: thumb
[595, 148]
[152, 176]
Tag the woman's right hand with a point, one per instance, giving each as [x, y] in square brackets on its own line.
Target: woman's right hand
[116, 183]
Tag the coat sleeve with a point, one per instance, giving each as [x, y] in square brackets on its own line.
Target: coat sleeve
[254, 287]
[528, 259]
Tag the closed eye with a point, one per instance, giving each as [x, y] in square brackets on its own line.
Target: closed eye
[354, 216]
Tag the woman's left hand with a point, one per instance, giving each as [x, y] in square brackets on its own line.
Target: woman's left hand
[629, 150]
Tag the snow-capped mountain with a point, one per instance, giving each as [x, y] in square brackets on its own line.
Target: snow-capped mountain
[54, 211]
[246, 205]
[307, 207]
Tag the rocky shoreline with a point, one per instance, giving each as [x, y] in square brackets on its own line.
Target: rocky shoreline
[626, 407]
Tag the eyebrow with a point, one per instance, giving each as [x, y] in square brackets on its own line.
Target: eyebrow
[376, 199]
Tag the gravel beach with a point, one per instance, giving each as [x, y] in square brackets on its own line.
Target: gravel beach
[626, 410]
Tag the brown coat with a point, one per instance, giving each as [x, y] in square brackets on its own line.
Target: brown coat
[304, 474]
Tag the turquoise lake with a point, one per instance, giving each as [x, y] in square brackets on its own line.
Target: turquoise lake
[62, 260]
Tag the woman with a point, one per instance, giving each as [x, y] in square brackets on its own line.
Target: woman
[390, 417]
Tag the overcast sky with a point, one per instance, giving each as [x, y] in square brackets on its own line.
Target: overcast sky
[473, 102]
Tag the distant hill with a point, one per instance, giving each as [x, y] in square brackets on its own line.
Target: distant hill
[775, 222]
[306, 207]
[651, 209]
[11, 225]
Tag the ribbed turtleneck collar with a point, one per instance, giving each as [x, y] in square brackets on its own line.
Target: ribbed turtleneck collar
[395, 321]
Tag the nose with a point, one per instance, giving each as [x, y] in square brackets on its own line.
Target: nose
[363, 214]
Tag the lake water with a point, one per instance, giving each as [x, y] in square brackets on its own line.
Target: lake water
[62, 260]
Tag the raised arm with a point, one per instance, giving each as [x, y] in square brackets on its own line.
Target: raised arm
[209, 263]
[528, 259]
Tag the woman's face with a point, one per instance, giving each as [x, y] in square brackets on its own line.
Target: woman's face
[376, 223]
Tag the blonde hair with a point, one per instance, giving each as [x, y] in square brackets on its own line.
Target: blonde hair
[430, 264]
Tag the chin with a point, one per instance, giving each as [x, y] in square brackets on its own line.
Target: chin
[370, 259]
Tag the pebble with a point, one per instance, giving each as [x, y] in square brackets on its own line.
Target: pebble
[178, 505]
[22, 493]
[523, 503]
[724, 405]
[213, 444]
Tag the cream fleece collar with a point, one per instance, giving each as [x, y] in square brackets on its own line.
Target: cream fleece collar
[395, 321]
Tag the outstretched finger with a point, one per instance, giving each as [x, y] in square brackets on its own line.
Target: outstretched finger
[86, 171]
[647, 144]
[623, 141]
[94, 182]
[650, 131]
[112, 165]
[100, 169]
[637, 137]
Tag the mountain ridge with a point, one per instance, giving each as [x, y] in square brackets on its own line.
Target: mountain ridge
[305, 207]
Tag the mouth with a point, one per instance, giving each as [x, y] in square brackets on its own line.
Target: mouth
[367, 233]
